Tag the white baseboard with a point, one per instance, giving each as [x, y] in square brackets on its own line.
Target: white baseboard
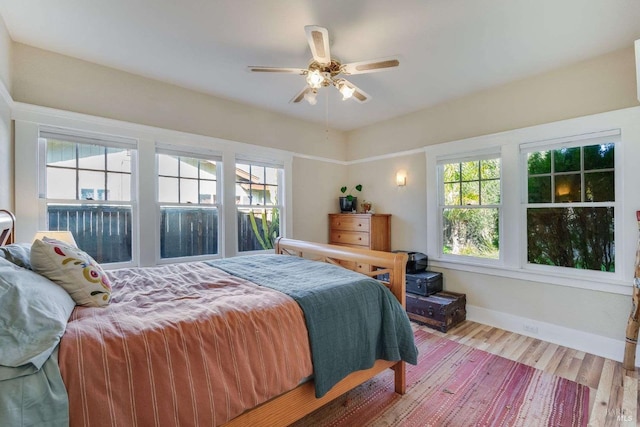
[572, 338]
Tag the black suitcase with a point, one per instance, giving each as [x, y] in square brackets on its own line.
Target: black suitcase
[441, 311]
[425, 283]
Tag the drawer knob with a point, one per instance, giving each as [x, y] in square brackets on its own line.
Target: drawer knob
[359, 238]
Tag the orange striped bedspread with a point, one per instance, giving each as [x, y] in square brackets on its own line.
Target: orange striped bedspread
[182, 344]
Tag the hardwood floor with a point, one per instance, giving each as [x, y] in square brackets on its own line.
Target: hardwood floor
[614, 392]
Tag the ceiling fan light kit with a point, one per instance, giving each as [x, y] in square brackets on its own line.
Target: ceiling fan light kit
[324, 71]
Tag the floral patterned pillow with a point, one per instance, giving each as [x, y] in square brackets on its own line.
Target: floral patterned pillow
[79, 274]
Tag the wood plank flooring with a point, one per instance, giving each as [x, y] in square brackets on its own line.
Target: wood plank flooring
[614, 392]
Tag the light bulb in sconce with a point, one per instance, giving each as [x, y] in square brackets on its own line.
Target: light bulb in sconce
[401, 178]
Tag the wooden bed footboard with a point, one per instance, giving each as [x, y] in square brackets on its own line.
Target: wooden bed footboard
[295, 404]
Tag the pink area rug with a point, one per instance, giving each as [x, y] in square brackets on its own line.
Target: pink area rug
[456, 385]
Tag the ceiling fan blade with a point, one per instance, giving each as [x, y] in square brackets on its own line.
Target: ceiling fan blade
[370, 66]
[358, 94]
[259, 69]
[300, 95]
[318, 38]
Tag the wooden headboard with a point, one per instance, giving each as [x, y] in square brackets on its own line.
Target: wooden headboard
[7, 227]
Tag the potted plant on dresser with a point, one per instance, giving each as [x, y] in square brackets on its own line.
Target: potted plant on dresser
[349, 202]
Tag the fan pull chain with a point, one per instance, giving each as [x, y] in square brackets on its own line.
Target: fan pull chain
[326, 115]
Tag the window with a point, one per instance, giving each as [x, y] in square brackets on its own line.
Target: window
[87, 183]
[189, 204]
[259, 205]
[570, 205]
[470, 207]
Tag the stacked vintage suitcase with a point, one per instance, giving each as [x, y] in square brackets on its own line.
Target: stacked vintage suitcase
[427, 303]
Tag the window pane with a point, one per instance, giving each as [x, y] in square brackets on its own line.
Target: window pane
[61, 153]
[271, 192]
[572, 237]
[490, 192]
[568, 188]
[451, 172]
[539, 162]
[599, 156]
[258, 228]
[470, 171]
[207, 192]
[271, 176]
[189, 191]
[470, 193]
[599, 187]
[539, 189]
[118, 187]
[61, 183]
[452, 194]
[118, 160]
[188, 231]
[167, 165]
[87, 179]
[104, 232]
[490, 169]
[189, 167]
[566, 159]
[91, 157]
[168, 190]
[472, 232]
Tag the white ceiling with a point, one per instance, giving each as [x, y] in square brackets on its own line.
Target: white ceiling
[447, 48]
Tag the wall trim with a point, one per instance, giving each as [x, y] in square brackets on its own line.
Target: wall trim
[6, 96]
[38, 114]
[579, 340]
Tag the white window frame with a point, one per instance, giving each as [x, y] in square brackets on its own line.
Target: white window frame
[281, 206]
[469, 157]
[195, 153]
[85, 137]
[572, 141]
[626, 122]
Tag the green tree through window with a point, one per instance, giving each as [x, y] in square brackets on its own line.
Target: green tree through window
[470, 206]
[570, 212]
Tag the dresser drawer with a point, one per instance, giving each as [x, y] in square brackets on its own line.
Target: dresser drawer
[349, 238]
[350, 223]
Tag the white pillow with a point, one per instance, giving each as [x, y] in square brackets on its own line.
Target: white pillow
[79, 274]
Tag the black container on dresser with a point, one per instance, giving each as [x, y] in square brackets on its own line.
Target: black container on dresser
[441, 311]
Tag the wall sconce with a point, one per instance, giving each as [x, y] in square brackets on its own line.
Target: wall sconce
[63, 236]
[401, 178]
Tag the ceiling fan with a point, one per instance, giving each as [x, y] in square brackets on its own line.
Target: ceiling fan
[325, 71]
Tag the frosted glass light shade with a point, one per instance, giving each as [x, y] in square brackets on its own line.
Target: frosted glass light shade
[63, 236]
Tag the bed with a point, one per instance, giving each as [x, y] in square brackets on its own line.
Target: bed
[251, 340]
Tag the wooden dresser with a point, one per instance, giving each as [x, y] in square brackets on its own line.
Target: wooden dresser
[364, 231]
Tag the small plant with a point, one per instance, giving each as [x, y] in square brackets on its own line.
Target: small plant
[349, 196]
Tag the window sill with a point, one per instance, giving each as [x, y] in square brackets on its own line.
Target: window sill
[609, 285]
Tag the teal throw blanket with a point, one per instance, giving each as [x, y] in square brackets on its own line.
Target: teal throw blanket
[352, 319]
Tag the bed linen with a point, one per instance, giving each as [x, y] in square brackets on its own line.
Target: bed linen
[152, 357]
[352, 320]
[33, 316]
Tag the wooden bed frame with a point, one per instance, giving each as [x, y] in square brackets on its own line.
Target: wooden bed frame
[295, 404]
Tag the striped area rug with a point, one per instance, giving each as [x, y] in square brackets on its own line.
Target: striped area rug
[457, 385]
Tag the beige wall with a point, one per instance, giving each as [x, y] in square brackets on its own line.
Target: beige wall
[51, 80]
[600, 84]
[316, 186]
[6, 137]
